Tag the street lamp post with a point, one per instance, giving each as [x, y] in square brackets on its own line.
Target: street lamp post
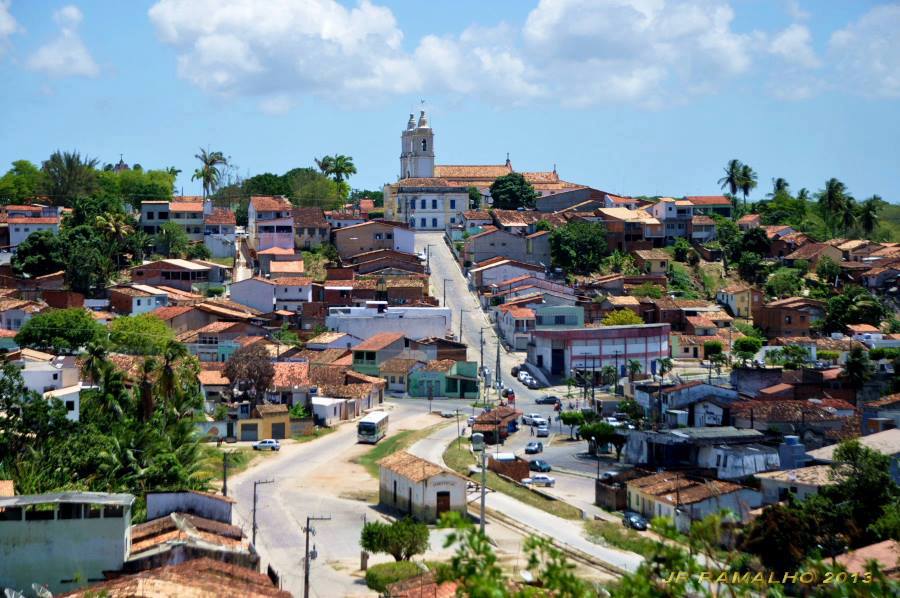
[310, 555]
[255, 484]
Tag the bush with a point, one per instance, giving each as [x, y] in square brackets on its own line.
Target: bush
[379, 577]
[402, 539]
[215, 291]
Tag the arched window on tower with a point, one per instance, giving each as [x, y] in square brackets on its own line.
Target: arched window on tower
[424, 145]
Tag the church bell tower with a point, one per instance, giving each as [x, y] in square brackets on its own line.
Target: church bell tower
[417, 149]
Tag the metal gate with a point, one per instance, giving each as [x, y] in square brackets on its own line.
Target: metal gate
[278, 431]
[250, 432]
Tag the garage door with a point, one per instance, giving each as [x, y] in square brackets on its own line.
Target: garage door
[250, 432]
[278, 431]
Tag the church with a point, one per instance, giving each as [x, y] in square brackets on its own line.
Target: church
[432, 197]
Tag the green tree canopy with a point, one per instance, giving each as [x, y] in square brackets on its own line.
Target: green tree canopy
[172, 239]
[22, 182]
[266, 184]
[69, 175]
[746, 347]
[621, 317]
[402, 539]
[143, 334]
[571, 419]
[784, 282]
[63, 331]
[134, 186]
[855, 305]
[41, 253]
[512, 191]
[648, 289]
[827, 270]
[578, 247]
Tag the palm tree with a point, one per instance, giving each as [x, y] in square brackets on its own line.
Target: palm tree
[69, 176]
[115, 227]
[209, 172]
[732, 179]
[634, 368]
[803, 194]
[779, 186]
[148, 368]
[140, 244]
[868, 214]
[748, 182]
[326, 164]
[858, 368]
[342, 168]
[92, 360]
[608, 374]
[831, 201]
[848, 215]
[172, 353]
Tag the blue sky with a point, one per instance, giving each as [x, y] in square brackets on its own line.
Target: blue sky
[629, 96]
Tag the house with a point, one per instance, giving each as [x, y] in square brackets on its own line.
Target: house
[652, 261]
[858, 250]
[792, 316]
[376, 349]
[332, 340]
[343, 218]
[270, 223]
[217, 341]
[558, 316]
[51, 376]
[439, 348]
[492, 242]
[710, 205]
[675, 215]
[267, 421]
[311, 229]
[558, 352]
[290, 384]
[419, 488]
[748, 221]
[497, 424]
[812, 253]
[686, 499]
[627, 229]
[396, 372]
[265, 257]
[494, 270]
[15, 312]
[265, 295]
[885, 554]
[176, 273]
[474, 221]
[219, 227]
[136, 299]
[515, 324]
[371, 236]
[22, 220]
[800, 482]
[286, 268]
[615, 201]
[732, 462]
[703, 228]
[214, 385]
[683, 447]
[377, 316]
[46, 538]
[444, 378]
[190, 215]
[740, 299]
[887, 443]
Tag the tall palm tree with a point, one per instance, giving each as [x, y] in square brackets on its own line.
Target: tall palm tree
[92, 360]
[731, 182]
[634, 368]
[168, 382]
[608, 374]
[116, 228]
[779, 186]
[69, 175]
[868, 214]
[848, 215]
[148, 369]
[140, 244]
[803, 194]
[831, 202]
[208, 173]
[342, 168]
[325, 165]
[748, 182]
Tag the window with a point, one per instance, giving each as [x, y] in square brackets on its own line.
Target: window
[559, 320]
[113, 511]
[434, 223]
[433, 204]
[452, 204]
[725, 461]
[69, 511]
[424, 145]
[39, 512]
[70, 405]
[150, 215]
[424, 221]
[399, 379]
[424, 204]
[787, 319]
[138, 301]
[163, 215]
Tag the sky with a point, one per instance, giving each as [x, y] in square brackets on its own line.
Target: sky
[637, 97]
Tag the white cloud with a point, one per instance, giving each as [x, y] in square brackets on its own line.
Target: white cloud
[65, 56]
[8, 25]
[866, 53]
[795, 11]
[277, 104]
[794, 46]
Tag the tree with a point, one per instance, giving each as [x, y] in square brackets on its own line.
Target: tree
[88, 266]
[578, 247]
[748, 266]
[342, 168]
[711, 348]
[855, 305]
[868, 214]
[608, 375]
[571, 419]
[748, 182]
[682, 249]
[631, 409]
[755, 241]
[60, 331]
[780, 186]
[209, 172]
[781, 536]
[634, 368]
[746, 347]
[197, 251]
[402, 539]
[250, 369]
[858, 368]
[143, 334]
[68, 176]
[21, 182]
[828, 270]
[325, 164]
[731, 182]
[601, 434]
[116, 228]
[512, 191]
[39, 254]
[172, 239]
[832, 199]
[265, 184]
[475, 197]
[621, 317]
[784, 282]
[313, 189]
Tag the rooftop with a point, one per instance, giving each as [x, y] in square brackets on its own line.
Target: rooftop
[411, 467]
[708, 200]
[886, 443]
[221, 216]
[379, 341]
[814, 475]
[269, 203]
[94, 498]
[886, 554]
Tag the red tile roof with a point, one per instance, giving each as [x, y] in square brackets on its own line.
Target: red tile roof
[269, 203]
[290, 374]
[221, 216]
[173, 311]
[23, 220]
[379, 341]
[186, 206]
[708, 200]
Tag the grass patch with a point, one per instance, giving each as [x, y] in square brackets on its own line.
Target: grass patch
[379, 577]
[238, 460]
[459, 459]
[317, 434]
[712, 282]
[389, 446]
[618, 536]
[314, 265]
[228, 262]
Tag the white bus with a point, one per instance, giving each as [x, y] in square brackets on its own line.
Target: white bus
[372, 427]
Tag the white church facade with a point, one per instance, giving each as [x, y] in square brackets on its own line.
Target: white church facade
[434, 197]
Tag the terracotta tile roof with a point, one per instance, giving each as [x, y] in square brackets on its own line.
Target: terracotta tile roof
[518, 312]
[886, 401]
[327, 337]
[398, 365]
[173, 311]
[379, 341]
[276, 251]
[810, 250]
[775, 230]
[213, 378]
[269, 203]
[652, 254]
[289, 267]
[412, 467]
[265, 409]
[347, 391]
[735, 288]
[700, 322]
[183, 527]
[186, 206]
[702, 220]
[197, 578]
[476, 215]
[327, 356]
[354, 377]
[221, 216]
[886, 554]
[813, 475]
[293, 281]
[748, 219]
[22, 208]
[7, 488]
[783, 411]
[427, 182]
[861, 328]
[795, 302]
[310, 218]
[472, 171]
[623, 301]
[290, 374]
[440, 365]
[708, 200]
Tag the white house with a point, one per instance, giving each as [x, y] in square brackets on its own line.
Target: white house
[738, 461]
[52, 376]
[420, 488]
[267, 295]
[25, 220]
[63, 540]
[328, 411]
[15, 312]
[375, 317]
[516, 324]
[497, 270]
[332, 340]
[801, 482]
[137, 299]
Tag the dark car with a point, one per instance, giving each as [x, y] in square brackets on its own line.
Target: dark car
[547, 400]
[533, 448]
[539, 465]
[634, 521]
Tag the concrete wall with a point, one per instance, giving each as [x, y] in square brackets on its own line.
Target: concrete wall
[258, 294]
[160, 504]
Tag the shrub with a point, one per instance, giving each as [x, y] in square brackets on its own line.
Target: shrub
[379, 577]
[215, 291]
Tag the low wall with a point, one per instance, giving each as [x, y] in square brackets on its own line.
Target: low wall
[516, 470]
[303, 427]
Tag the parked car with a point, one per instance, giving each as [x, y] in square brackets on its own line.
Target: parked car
[528, 418]
[533, 384]
[607, 476]
[547, 400]
[534, 447]
[523, 375]
[634, 521]
[539, 465]
[540, 479]
[268, 444]
[615, 423]
[543, 431]
[448, 413]
[471, 420]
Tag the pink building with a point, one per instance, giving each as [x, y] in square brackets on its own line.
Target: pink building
[270, 223]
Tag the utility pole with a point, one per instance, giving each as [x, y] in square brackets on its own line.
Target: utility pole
[444, 303]
[310, 555]
[499, 380]
[458, 432]
[224, 473]
[461, 312]
[255, 484]
[483, 482]
[481, 342]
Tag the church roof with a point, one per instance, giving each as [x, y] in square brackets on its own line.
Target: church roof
[473, 171]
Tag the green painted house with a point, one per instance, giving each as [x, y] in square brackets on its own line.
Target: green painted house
[375, 350]
[445, 378]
